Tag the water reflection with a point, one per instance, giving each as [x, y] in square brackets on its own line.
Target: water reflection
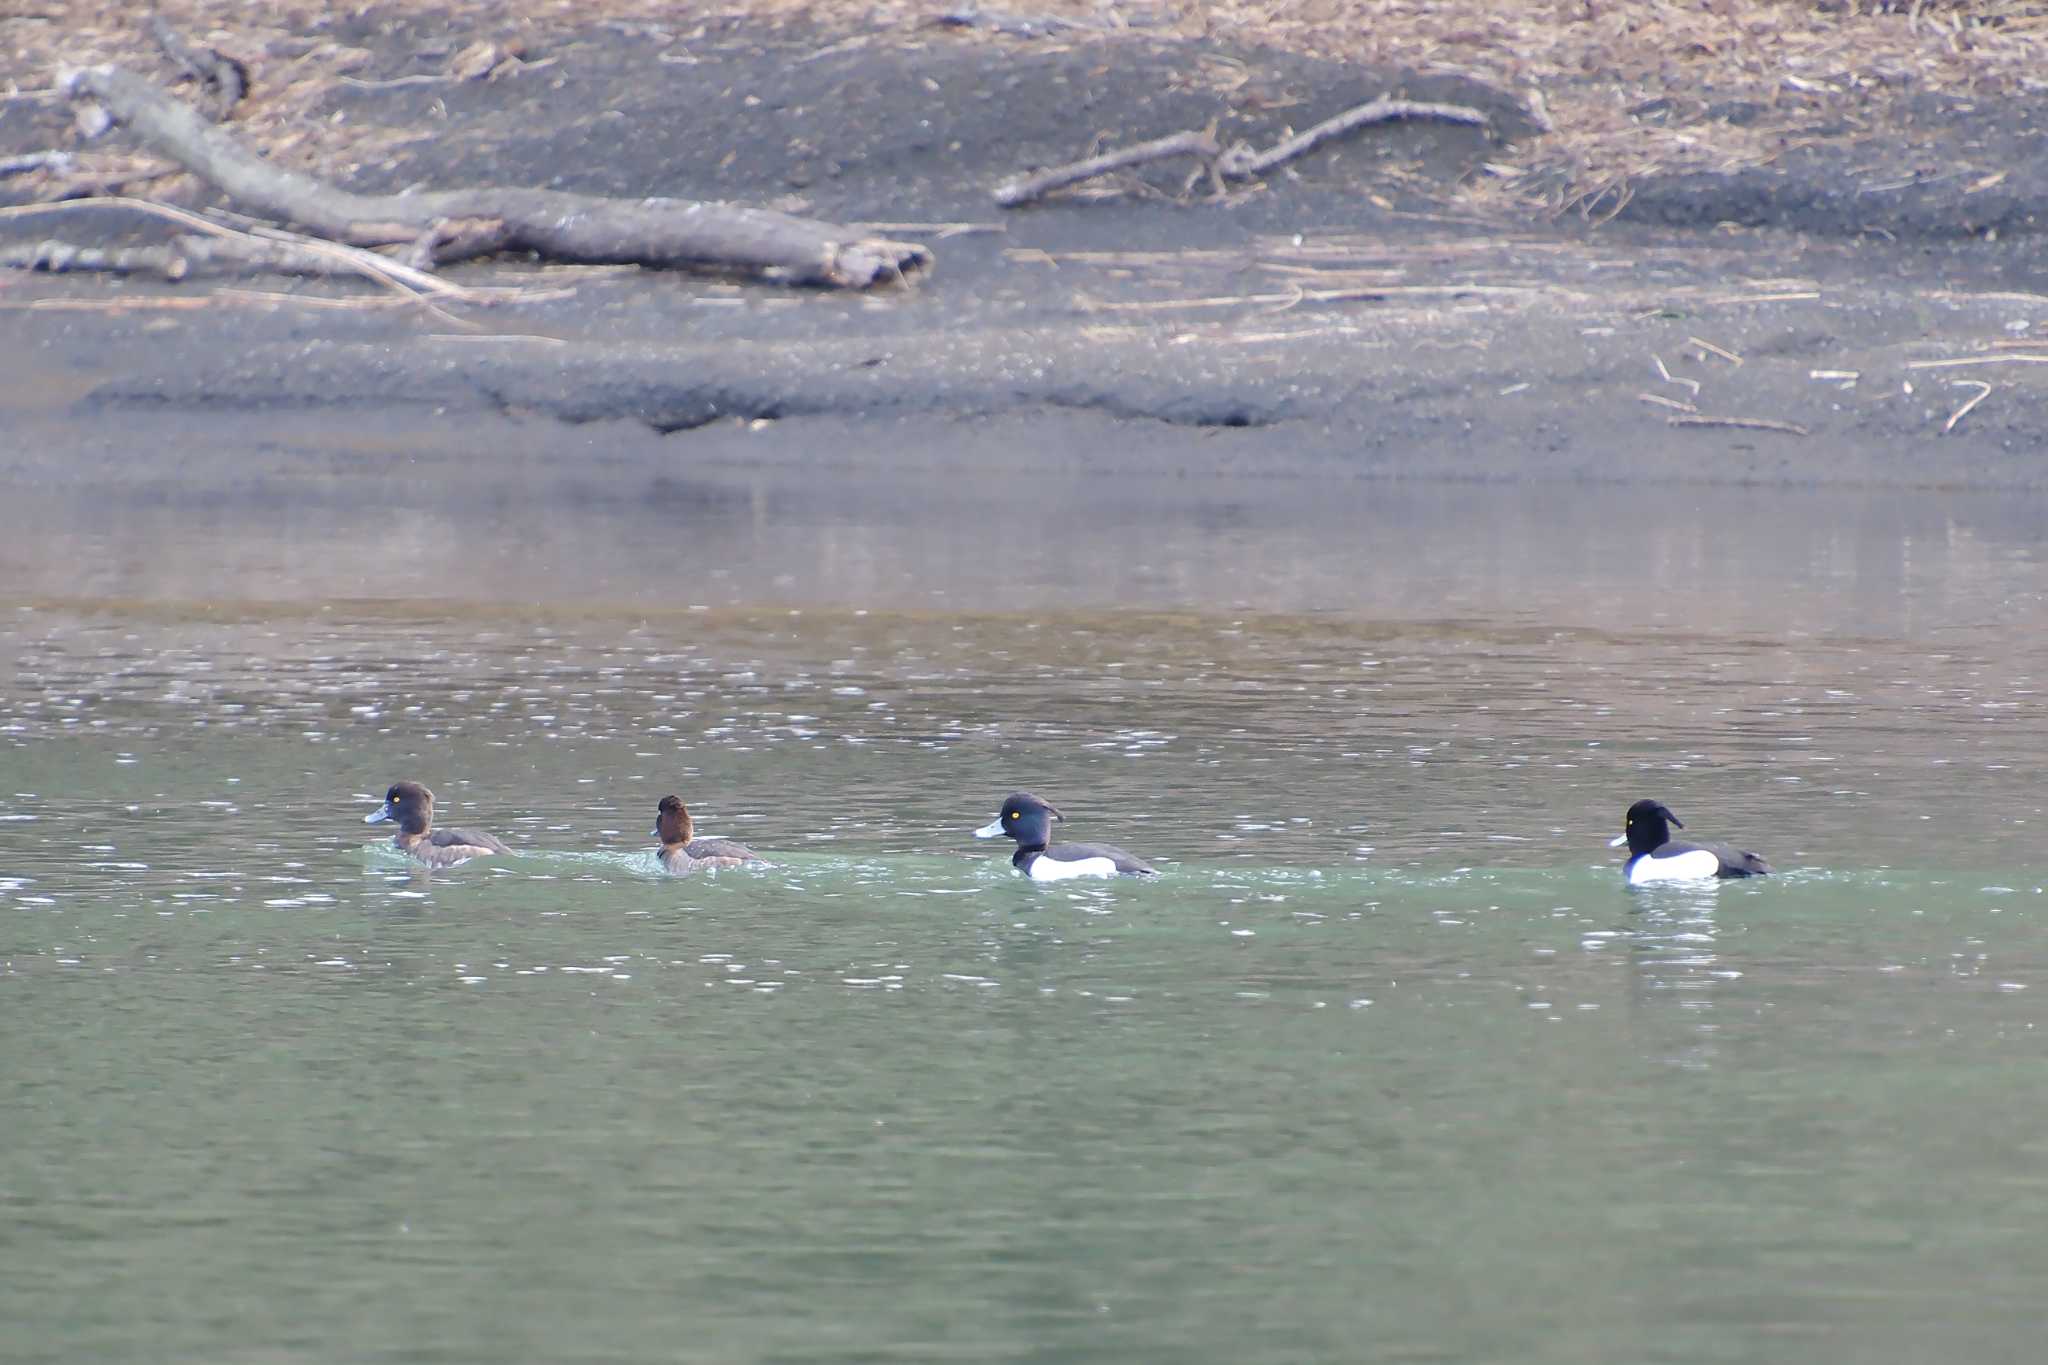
[751, 531]
[1677, 952]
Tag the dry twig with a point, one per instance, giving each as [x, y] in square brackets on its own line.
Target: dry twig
[1664, 402]
[1743, 423]
[1977, 360]
[1721, 351]
[1671, 378]
[940, 230]
[1198, 143]
[1297, 296]
[1242, 163]
[1983, 392]
[1789, 296]
[177, 303]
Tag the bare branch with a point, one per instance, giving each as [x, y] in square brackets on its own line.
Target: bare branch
[1239, 162]
[1743, 423]
[1200, 144]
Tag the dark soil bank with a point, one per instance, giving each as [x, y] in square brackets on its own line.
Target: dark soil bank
[1783, 325]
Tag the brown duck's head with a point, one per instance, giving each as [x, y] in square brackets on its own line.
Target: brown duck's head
[672, 821]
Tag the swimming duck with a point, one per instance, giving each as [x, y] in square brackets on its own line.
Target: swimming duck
[1654, 856]
[1028, 820]
[412, 806]
[680, 853]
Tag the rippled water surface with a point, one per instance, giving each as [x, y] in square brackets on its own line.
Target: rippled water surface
[1387, 1065]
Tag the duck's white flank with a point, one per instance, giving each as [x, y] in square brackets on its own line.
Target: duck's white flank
[1044, 869]
[1690, 866]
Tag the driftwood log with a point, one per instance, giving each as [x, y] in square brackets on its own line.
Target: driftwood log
[1238, 162]
[57, 257]
[255, 245]
[184, 255]
[451, 225]
[34, 161]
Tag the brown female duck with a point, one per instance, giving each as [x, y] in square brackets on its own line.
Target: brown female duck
[681, 853]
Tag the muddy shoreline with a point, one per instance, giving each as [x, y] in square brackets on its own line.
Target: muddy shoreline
[1359, 317]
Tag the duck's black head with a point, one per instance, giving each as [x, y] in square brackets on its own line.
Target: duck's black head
[1648, 826]
[410, 804]
[1024, 818]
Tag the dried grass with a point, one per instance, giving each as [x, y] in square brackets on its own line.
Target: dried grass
[1591, 65]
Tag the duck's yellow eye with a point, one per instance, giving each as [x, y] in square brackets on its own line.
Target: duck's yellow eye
[1012, 816]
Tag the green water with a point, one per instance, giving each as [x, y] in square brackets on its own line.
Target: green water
[1387, 1066]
